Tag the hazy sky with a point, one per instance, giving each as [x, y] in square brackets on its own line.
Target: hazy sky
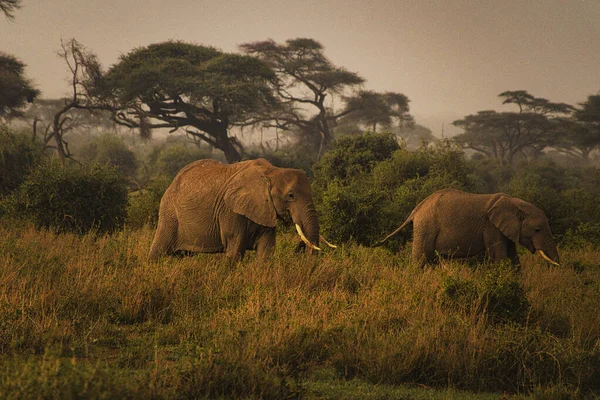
[450, 57]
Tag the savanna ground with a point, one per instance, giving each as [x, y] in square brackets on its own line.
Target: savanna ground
[88, 317]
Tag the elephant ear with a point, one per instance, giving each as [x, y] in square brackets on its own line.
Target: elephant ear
[506, 216]
[248, 194]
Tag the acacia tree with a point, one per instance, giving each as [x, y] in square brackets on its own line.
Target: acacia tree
[198, 89]
[305, 84]
[15, 89]
[537, 124]
[583, 135]
[8, 7]
[374, 109]
[58, 117]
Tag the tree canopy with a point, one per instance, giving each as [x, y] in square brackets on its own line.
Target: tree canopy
[305, 84]
[8, 7]
[199, 89]
[583, 137]
[15, 89]
[537, 124]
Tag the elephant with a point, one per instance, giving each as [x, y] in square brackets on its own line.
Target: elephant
[212, 207]
[454, 223]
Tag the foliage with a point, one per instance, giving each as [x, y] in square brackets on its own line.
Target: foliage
[18, 154]
[73, 199]
[9, 6]
[305, 84]
[15, 89]
[168, 160]
[372, 109]
[502, 136]
[366, 186]
[290, 156]
[193, 87]
[583, 136]
[352, 211]
[569, 197]
[110, 149]
[539, 183]
[498, 294]
[504, 296]
[144, 204]
[583, 235]
[352, 156]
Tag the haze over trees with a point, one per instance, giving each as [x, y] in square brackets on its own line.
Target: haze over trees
[306, 84]
[538, 123]
[16, 90]
[583, 136]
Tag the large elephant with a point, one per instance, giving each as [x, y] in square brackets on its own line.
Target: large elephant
[212, 207]
[453, 223]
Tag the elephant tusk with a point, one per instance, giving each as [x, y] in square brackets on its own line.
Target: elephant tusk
[545, 257]
[333, 246]
[304, 239]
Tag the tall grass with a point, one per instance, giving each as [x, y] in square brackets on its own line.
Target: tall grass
[89, 317]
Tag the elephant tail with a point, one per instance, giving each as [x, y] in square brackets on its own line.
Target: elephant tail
[408, 221]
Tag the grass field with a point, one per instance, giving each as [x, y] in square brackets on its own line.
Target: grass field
[88, 317]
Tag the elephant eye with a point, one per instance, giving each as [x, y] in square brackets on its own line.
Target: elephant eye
[537, 230]
[290, 196]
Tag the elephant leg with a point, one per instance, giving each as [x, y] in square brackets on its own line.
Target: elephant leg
[512, 254]
[265, 244]
[423, 249]
[235, 246]
[498, 247]
[165, 237]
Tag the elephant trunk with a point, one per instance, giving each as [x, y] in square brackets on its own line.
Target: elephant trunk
[548, 251]
[307, 226]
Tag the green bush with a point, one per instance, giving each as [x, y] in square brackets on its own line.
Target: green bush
[110, 149]
[353, 156]
[586, 233]
[73, 199]
[569, 197]
[353, 211]
[504, 297]
[500, 294]
[364, 202]
[169, 159]
[287, 157]
[18, 155]
[144, 204]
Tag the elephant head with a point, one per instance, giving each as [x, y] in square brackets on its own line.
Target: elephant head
[524, 223]
[263, 193]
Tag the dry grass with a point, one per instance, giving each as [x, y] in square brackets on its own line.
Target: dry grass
[89, 317]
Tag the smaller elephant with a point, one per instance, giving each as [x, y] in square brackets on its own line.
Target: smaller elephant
[212, 207]
[454, 223]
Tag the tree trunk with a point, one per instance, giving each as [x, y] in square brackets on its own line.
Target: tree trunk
[225, 144]
[232, 155]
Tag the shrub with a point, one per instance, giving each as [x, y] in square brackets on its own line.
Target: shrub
[18, 155]
[586, 233]
[503, 294]
[168, 160]
[287, 157]
[499, 294]
[144, 204]
[73, 199]
[366, 201]
[353, 211]
[109, 149]
[353, 156]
